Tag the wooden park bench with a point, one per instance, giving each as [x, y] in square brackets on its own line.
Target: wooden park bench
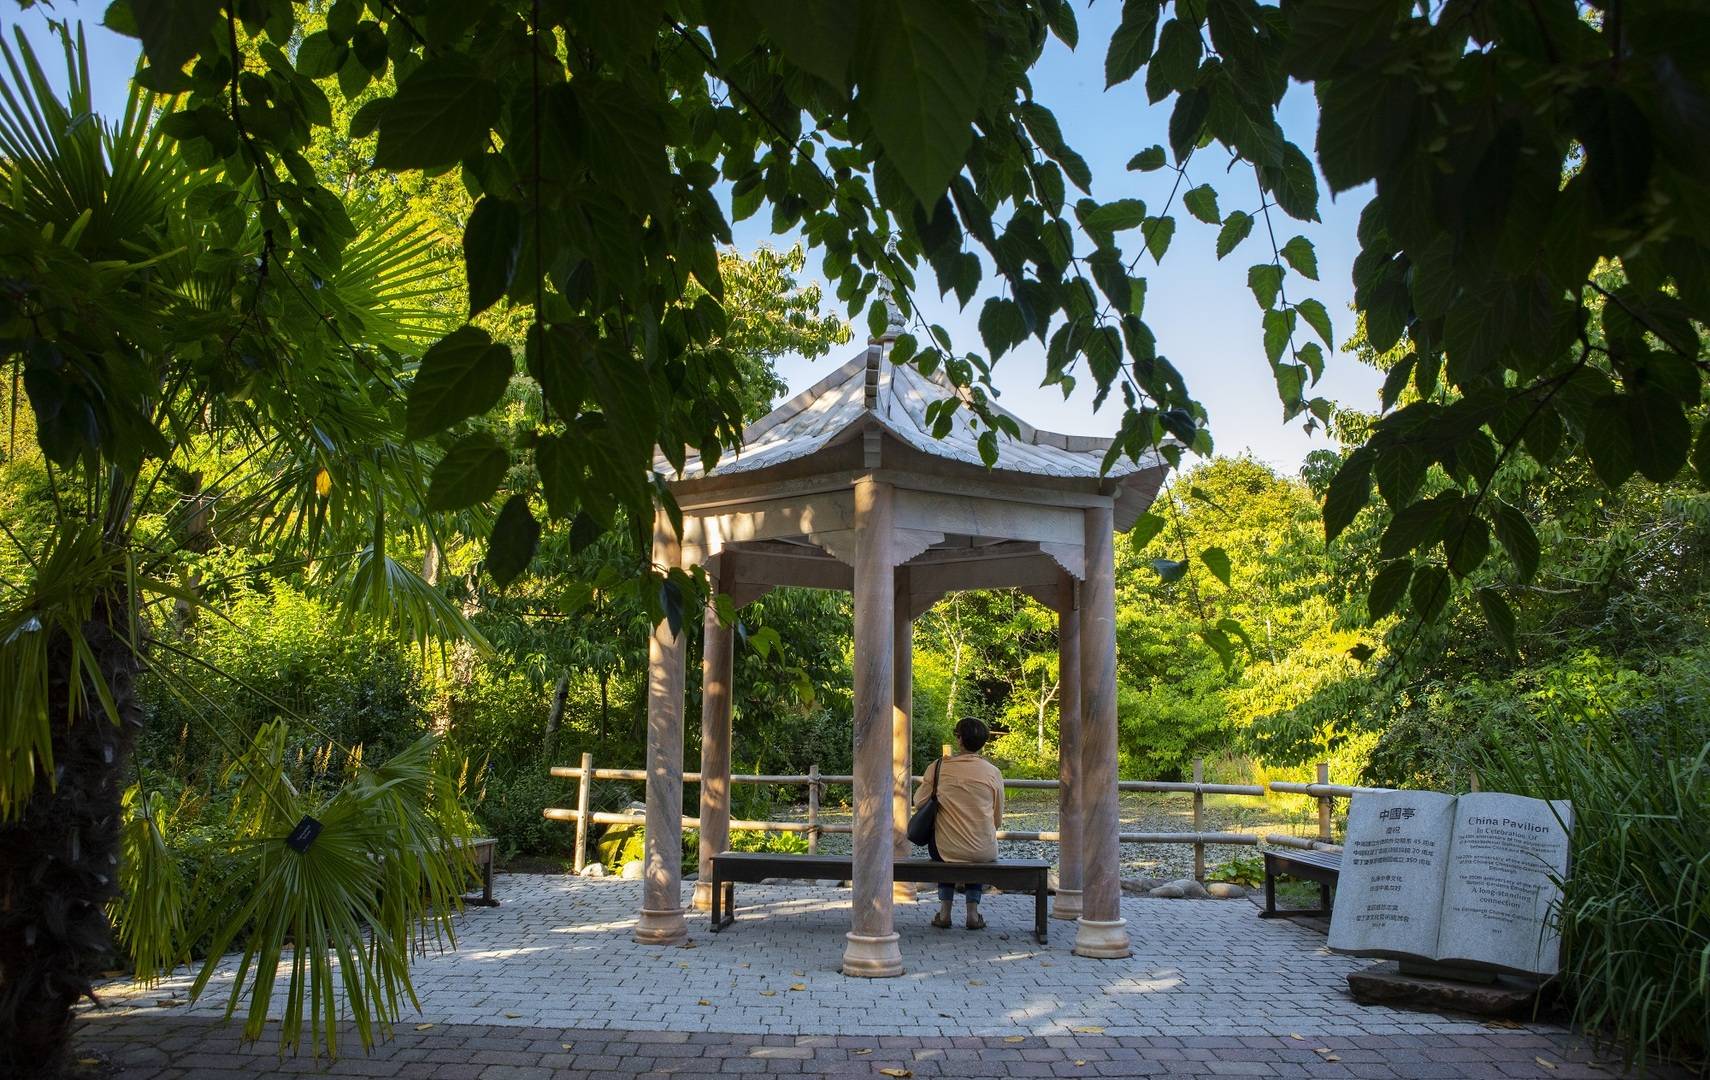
[481, 850]
[1324, 867]
[1020, 875]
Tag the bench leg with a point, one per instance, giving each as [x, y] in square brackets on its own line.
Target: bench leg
[717, 908]
[729, 902]
[1040, 916]
[1324, 897]
[1270, 911]
[487, 883]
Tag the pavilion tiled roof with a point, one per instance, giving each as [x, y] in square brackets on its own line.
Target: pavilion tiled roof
[869, 390]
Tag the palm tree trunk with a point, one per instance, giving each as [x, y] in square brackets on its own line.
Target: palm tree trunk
[59, 860]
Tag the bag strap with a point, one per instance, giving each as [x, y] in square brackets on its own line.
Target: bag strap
[939, 763]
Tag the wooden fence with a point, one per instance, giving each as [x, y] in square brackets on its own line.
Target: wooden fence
[816, 782]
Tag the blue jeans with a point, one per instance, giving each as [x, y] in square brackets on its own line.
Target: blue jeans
[947, 893]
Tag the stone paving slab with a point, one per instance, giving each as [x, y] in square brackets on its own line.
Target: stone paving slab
[147, 1045]
[558, 953]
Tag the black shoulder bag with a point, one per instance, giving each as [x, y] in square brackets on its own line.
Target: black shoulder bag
[924, 821]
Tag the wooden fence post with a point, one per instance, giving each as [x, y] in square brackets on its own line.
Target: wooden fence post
[582, 799]
[1324, 804]
[813, 809]
[1198, 820]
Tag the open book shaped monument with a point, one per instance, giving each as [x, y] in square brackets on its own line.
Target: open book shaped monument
[1458, 882]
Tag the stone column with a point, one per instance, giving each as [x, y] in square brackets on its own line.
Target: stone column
[661, 921]
[872, 950]
[1067, 903]
[717, 657]
[902, 731]
[1101, 931]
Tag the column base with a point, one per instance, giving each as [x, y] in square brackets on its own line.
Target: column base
[1066, 904]
[703, 896]
[872, 957]
[661, 927]
[1102, 940]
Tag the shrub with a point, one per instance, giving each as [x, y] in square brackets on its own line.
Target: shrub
[1635, 910]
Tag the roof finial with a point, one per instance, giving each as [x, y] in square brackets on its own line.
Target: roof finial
[893, 314]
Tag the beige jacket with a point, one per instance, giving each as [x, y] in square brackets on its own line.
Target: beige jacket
[970, 807]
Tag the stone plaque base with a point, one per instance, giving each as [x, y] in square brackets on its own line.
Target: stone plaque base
[1388, 984]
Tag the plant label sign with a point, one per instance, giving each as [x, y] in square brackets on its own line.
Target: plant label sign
[1465, 881]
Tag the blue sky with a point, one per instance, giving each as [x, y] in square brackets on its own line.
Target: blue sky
[1205, 318]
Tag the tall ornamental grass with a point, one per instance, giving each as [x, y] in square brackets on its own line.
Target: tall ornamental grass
[1635, 909]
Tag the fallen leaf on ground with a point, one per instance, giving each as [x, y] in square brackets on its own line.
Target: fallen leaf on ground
[798, 986]
[89, 1061]
[1080, 1061]
[1321, 1050]
[768, 993]
[865, 1050]
[167, 1003]
[687, 945]
[1501, 1023]
[1545, 1062]
[976, 982]
[1014, 1038]
[513, 1016]
[423, 1027]
[703, 1001]
[798, 974]
[1088, 1029]
[1331, 1057]
[1293, 1035]
[897, 1072]
[567, 1046]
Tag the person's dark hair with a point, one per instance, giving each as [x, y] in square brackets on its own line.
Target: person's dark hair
[972, 734]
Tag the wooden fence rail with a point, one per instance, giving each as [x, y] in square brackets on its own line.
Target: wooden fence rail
[816, 782]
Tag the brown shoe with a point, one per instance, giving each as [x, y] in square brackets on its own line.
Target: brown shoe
[941, 921]
[976, 921]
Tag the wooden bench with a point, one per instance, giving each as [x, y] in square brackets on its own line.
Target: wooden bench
[481, 850]
[1020, 875]
[1324, 867]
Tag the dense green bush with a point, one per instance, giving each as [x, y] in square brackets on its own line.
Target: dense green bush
[1635, 911]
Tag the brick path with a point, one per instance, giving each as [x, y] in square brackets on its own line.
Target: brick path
[150, 1046]
[1211, 990]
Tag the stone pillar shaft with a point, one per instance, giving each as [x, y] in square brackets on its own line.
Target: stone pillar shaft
[902, 732]
[1067, 903]
[1101, 931]
[717, 693]
[661, 920]
[872, 943]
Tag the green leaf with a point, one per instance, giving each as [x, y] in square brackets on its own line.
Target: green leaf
[1112, 217]
[1701, 455]
[1168, 570]
[1236, 228]
[1659, 433]
[1302, 257]
[1265, 279]
[1220, 644]
[1279, 326]
[1467, 544]
[1429, 592]
[1201, 202]
[469, 473]
[1001, 325]
[1158, 232]
[172, 31]
[461, 375]
[920, 69]
[491, 242]
[1187, 121]
[1145, 527]
[444, 112]
[1350, 489]
[1176, 61]
[1148, 160]
[1517, 538]
[320, 57]
[516, 537]
[1609, 441]
[1217, 561]
[815, 35]
[1317, 318]
[1395, 381]
[1500, 616]
[1388, 588]
[1131, 44]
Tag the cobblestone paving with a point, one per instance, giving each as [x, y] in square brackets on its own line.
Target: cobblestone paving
[1211, 990]
[153, 1047]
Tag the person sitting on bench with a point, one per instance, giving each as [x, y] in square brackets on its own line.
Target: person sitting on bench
[970, 809]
